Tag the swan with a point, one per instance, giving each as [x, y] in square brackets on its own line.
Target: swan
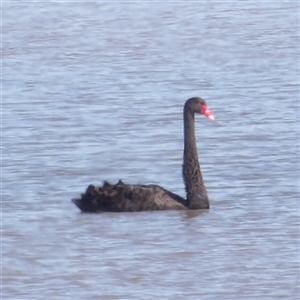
[123, 197]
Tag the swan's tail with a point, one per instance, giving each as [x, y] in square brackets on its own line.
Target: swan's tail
[86, 202]
[95, 197]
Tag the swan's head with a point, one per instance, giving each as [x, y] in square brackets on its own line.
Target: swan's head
[198, 105]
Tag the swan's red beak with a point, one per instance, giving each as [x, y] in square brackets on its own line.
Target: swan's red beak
[206, 112]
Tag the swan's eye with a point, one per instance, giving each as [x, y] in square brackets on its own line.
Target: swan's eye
[206, 112]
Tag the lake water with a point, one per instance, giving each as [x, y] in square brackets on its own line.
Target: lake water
[94, 91]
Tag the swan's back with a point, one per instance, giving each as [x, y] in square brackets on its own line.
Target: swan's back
[124, 197]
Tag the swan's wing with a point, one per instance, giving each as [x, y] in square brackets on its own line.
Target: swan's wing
[123, 197]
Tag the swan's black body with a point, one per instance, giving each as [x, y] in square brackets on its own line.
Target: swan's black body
[124, 197]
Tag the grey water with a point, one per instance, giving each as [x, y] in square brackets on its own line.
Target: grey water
[94, 91]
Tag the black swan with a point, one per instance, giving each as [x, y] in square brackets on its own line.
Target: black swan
[123, 197]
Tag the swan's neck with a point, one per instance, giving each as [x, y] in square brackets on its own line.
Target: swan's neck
[195, 189]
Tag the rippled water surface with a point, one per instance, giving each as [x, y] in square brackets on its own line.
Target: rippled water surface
[94, 91]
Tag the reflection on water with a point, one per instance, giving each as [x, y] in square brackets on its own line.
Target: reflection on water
[94, 92]
[190, 214]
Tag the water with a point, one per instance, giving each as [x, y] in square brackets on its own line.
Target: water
[94, 91]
